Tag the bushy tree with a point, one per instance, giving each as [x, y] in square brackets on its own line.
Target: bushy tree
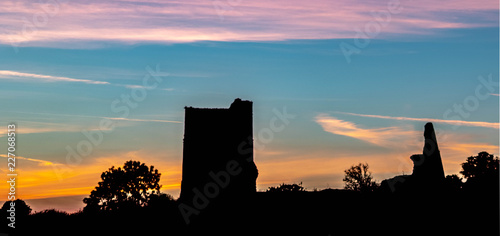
[481, 172]
[130, 186]
[358, 178]
[484, 165]
[21, 208]
[17, 209]
[453, 183]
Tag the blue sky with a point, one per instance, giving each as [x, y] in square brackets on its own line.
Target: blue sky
[54, 88]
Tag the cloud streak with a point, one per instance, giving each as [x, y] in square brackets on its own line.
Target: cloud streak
[34, 128]
[30, 77]
[40, 162]
[141, 120]
[492, 125]
[386, 137]
[21, 76]
[100, 117]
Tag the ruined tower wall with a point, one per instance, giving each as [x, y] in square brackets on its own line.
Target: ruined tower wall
[212, 139]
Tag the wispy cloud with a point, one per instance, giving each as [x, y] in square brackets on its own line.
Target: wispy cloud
[469, 148]
[40, 162]
[483, 124]
[99, 117]
[140, 120]
[21, 76]
[386, 137]
[73, 125]
[495, 94]
[145, 87]
[130, 86]
[30, 77]
[180, 21]
[44, 127]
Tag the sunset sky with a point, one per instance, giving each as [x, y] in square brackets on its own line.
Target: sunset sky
[358, 80]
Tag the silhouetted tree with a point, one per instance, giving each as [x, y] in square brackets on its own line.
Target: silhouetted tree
[160, 201]
[481, 171]
[287, 188]
[21, 208]
[130, 186]
[482, 165]
[19, 211]
[453, 182]
[358, 178]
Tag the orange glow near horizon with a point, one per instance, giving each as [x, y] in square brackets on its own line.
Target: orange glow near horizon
[38, 179]
[41, 179]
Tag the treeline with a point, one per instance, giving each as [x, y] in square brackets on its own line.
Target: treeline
[127, 202]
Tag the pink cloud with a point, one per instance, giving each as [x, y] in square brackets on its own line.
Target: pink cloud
[386, 136]
[175, 21]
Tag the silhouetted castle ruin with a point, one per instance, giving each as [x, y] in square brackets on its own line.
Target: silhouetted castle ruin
[428, 171]
[218, 148]
[428, 165]
[218, 191]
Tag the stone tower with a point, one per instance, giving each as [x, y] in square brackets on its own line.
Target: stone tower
[428, 171]
[218, 151]
[428, 166]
